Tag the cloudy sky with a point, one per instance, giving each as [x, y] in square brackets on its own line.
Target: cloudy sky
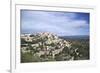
[60, 23]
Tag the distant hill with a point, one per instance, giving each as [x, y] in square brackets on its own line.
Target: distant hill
[79, 37]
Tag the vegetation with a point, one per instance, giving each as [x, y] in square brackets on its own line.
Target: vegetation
[48, 47]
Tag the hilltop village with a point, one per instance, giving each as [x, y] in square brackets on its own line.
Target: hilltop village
[45, 46]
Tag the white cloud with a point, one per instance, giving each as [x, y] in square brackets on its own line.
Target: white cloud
[57, 22]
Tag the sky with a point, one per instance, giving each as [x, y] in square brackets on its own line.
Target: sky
[59, 23]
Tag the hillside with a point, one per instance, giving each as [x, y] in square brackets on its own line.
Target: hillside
[46, 46]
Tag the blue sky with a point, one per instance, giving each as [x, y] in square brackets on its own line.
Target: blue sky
[60, 23]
